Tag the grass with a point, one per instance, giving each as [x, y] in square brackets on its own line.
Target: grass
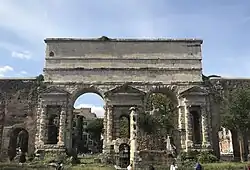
[87, 163]
[211, 166]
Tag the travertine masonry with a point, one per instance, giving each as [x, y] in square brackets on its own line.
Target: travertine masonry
[124, 72]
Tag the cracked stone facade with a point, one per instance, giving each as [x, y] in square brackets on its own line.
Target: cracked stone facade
[124, 72]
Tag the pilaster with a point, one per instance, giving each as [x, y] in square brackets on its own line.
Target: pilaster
[62, 126]
[205, 128]
[43, 129]
[133, 136]
[188, 127]
[69, 119]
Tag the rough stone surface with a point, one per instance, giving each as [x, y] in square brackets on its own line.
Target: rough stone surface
[124, 73]
[18, 104]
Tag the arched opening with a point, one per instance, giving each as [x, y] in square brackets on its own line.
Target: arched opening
[225, 143]
[18, 143]
[124, 155]
[124, 126]
[162, 114]
[87, 123]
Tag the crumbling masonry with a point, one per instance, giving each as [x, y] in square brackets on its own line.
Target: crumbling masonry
[124, 72]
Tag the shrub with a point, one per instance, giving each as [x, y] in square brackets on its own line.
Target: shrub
[193, 156]
[207, 157]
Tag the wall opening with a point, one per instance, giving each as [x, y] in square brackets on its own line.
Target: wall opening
[124, 155]
[18, 143]
[53, 112]
[195, 112]
[87, 123]
[124, 126]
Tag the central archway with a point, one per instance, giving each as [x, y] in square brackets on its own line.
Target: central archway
[161, 114]
[87, 121]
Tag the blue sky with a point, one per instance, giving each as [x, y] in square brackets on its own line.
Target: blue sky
[223, 25]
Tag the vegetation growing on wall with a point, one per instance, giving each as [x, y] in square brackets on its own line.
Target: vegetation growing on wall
[157, 122]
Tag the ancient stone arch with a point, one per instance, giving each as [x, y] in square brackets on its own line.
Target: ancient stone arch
[124, 73]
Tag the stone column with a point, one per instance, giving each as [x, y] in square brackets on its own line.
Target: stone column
[109, 123]
[68, 125]
[181, 126]
[2, 116]
[105, 129]
[62, 127]
[43, 128]
[188, 127]
[133, 136]
[204, 125]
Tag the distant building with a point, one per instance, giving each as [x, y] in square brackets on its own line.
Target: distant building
[86, 116]
[225, 141]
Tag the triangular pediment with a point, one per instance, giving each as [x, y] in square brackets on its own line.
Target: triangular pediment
[54, 90]
[124, 89]
[195, 90]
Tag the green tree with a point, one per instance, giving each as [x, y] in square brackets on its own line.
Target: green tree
[161, 115]
[95, 129]
[237, 118]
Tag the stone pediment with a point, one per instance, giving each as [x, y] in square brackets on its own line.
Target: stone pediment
[124, 89]
[54, 90]
[195, 90]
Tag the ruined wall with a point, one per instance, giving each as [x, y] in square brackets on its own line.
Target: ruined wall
[123, 60]
[20, 98]
[219, 89]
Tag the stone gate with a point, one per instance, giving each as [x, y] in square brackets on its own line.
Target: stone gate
[124, 72]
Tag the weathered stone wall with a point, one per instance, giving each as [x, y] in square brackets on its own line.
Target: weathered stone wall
[92, 60]
[219, 89]
[20, 98]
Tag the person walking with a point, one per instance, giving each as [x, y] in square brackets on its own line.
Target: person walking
[198, 166]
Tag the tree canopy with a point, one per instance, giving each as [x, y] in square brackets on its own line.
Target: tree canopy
[160, 115]
[95, 129]
[238, 114]
[236, 117]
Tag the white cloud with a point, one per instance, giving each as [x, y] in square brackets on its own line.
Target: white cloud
[98, 110]
[4, 70]
[23, 72]
[22, 55]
